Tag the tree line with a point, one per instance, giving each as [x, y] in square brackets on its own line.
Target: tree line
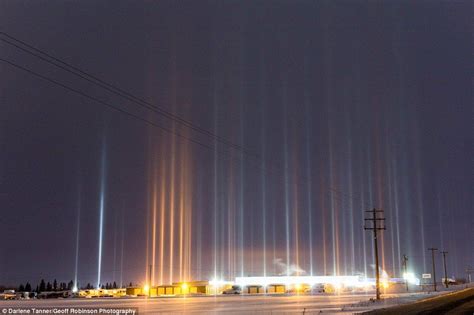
[44, 286]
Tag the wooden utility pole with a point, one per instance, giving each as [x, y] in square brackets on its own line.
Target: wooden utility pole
[434, 267]
[469, 272]
[404, 262]
[445, 270]
[375, 228]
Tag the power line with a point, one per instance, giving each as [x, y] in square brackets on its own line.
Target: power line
[71, 89]
[78, 72]
[117, 91]
[121, 92]
[135, 116]
[105, 103]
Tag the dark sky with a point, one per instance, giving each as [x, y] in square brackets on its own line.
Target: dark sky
[291, 118]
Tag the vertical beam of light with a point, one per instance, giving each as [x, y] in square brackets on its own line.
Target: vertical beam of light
[182, 215]
[172, 169]
[154, 218]
[379, 174]
[188, 212]
[322, 199]
[350, 199]
[295, 208]
[199, 227]
[397, 213]
[185, 211]
[214, 89]
[327, 54]
[362, 214]
[309, 199]
[241, 199]
[391, 214]
[162, 218]
[400, 103]
[263, 157]
[360, 109]
[189, 209]
[215, 177]
[231, 224]
[242, 157]
[264, 206]
[148, 218]
[371, 194]
[274, 241]
[115, 246]
[334, 223]
[101, 210]
[419, 194]
[286, 184]
[405, 194]
[440, 216]
[172, 196]
[343, 250]
[182, 194]
[122, 240]
[181, 219]
[78, 230]
[222, 231]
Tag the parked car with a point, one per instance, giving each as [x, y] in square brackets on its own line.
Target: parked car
[315, 289]
[8, 295]
[234, 290]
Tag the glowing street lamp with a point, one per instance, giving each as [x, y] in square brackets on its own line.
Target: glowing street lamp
[146, 289]
[184, 288]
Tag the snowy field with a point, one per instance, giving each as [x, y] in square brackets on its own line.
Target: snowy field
[247, 304]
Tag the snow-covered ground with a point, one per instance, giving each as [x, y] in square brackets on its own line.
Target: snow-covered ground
[247, 304]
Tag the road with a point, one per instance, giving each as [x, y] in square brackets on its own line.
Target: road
[460, 302]
[248, 304]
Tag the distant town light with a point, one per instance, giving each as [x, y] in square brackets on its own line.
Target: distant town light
[410, 278]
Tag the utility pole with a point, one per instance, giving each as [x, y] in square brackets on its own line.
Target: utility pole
[404, 262]
[469, 272]
[434, 267]
[374, 228]
[445, 270]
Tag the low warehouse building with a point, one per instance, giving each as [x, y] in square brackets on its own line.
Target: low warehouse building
[134, 291]
[253, 289]
[276, 288]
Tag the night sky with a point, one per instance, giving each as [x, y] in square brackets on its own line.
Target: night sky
[253, 137]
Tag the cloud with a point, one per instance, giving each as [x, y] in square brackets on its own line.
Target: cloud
[290, 270]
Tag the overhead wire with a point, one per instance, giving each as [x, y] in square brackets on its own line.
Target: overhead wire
[113, 89]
